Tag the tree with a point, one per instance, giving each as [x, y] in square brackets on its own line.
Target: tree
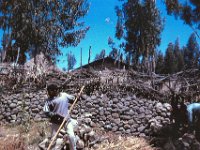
[114, 52]
[128, 59]
[178, 54]
[189, 12]
[101, 55]
[186, 55]
[1, 55]
[160, 62]
[64, 69]
[71, 61]
[191, 52]
[143, 25]
[43, 26]
[119, 26]
[170, 64]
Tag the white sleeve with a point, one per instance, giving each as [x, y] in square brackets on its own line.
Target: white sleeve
[70, 97]
[46, 107]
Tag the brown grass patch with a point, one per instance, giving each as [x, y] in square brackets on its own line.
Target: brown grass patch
[115, 142]
[19, 137]
[12, 143]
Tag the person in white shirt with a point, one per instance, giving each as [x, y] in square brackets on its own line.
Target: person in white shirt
[56, 108]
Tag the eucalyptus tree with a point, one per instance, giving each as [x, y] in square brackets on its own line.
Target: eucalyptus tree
[101, 55]
[160, 63]
[114, 50]
[170, 60]
[71, 61]
[179, 59]
[187, 10]
[192, 52]
[141, 27]
[43, 25]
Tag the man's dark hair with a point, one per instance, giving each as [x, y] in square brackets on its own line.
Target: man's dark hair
[52, 87]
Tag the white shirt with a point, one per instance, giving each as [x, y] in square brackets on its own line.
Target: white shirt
[60, 104]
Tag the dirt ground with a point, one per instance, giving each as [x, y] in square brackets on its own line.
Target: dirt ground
[28, 136]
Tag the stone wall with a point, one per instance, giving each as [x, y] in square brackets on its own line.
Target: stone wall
[125, 114]
[20, 107]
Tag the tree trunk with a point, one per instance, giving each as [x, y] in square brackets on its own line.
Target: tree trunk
[89, 55]
[18, 52]
[35, 59]
[81, 58]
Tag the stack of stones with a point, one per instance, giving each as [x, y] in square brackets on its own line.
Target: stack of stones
[17, 108]
[122, 114]
[86, 135]
[125, 115]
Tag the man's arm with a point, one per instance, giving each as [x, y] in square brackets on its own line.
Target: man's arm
[70, 97]
[47, 110]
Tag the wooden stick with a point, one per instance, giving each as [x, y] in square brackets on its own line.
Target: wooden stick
[65, 118]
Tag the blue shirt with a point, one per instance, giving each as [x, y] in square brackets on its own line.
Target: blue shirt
[59, 104]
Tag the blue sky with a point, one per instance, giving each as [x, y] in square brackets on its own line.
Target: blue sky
[102, 20]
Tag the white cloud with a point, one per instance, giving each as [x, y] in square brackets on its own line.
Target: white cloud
[107, 20]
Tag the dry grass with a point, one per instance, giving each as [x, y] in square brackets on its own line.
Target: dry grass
[12, 143]
[116, 142]
[20, 137]
[129, 143]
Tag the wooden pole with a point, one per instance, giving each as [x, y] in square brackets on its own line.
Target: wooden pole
[65, 118]
[89, 55]
[81, 58]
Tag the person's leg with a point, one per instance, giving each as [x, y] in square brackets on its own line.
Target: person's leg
[44, 144]
[71, 136]
[57, 143]
[54, 129]
[46, 141]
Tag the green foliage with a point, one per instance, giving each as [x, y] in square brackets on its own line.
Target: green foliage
[160, 61]
[188, 11]
[43, 26]
[101, 55]
[119, 26]
[142, 24]
[191, 52]
[64, 69]
[71, 61]
[170, 64]
[128, 59]
[114, 52]
[177, 59]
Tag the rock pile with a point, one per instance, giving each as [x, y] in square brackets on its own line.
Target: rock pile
[187, 142]
[122, 114]
[87, 136]
[125, 115]
[17, 108]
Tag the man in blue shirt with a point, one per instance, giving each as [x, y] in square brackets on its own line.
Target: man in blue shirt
[56, 108]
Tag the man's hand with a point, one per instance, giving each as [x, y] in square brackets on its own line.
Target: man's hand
[50, 114]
